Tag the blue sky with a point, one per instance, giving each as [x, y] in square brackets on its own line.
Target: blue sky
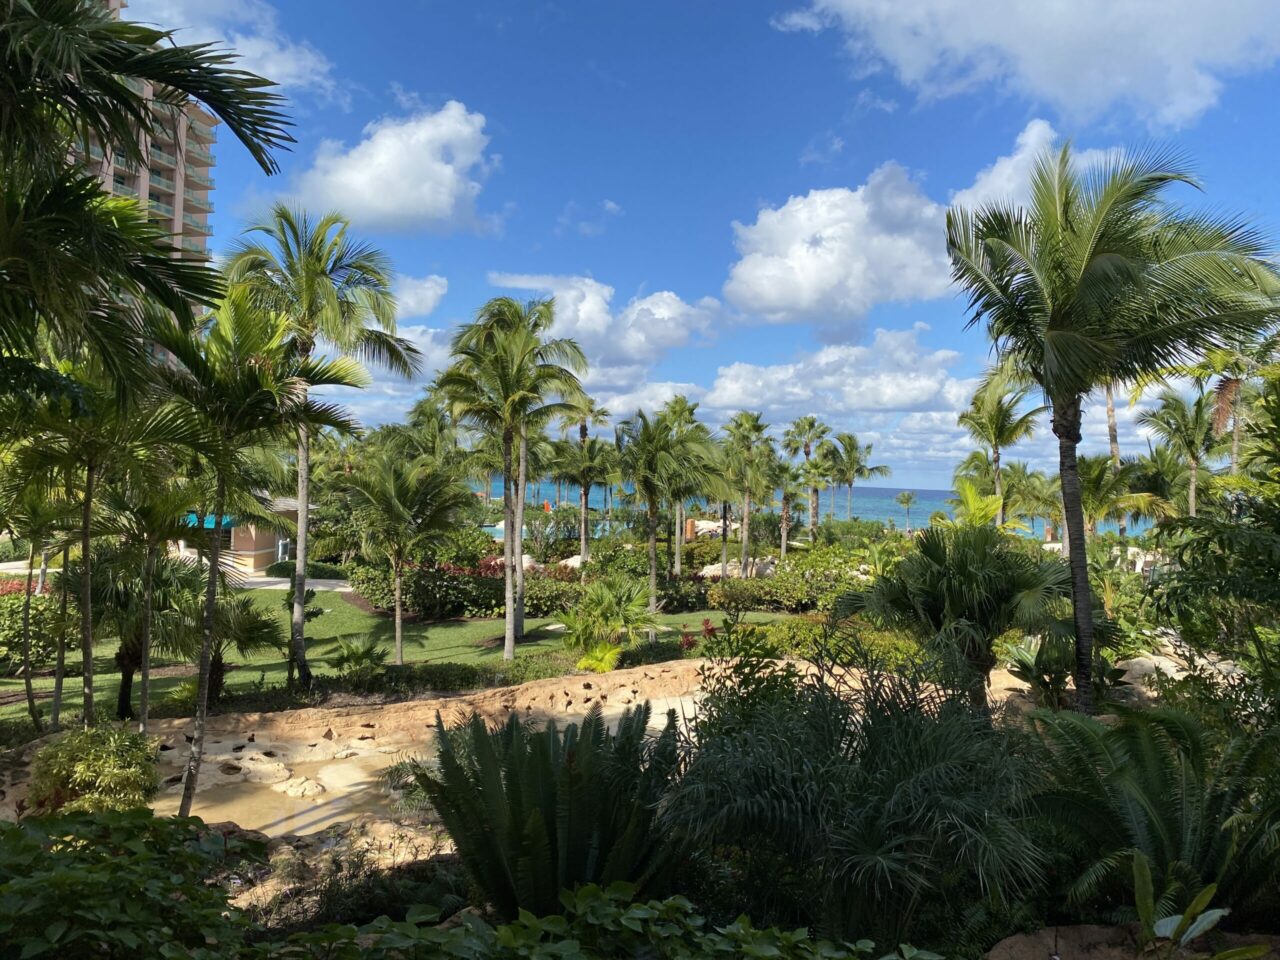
[741, 201]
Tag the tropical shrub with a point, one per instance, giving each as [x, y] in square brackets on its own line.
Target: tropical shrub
[682, 594]
[359, 662]
[116, 885]
[316, 570]
[613, 555]
[44, 627]
[1200, 810]
[467, 546]
[1044, 664]
[612, 611]
[546, 596]
[532, 813]
[884, 804]
[101, 768]
[444, 591]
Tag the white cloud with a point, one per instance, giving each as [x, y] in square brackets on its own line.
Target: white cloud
[831, 255]
[1167, 63]
[419, 296]
[1008, 178]
[421, 171]
[252, 29]
[823, 148]
[648, 396]
[621, 344]
[389, 397]
[893, 373]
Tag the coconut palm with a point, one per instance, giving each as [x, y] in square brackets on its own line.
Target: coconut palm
[906, 500]
[78, 264]
[403, 508]
[750, 457]
[995, 419]
[803, 437]
[1108, 494]
[1100, 280]
[852, 462]
[651, 457]
[332, 292]
[789, 482]
[584, 463]
[1187, 429]
[683, 416]
[506, 379]
[245, 382]
[961, 588]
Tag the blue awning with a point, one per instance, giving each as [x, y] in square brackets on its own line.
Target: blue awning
[227, 522]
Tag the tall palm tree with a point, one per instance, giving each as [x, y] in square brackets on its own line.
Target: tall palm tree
[683, 416]
[995, 420]
[1187, 429]
[853, 460]
[789, 482]
[750, 455]
[1100, 280]
[1108, 494]
[243, 383]
[651, 456]
[906, 500]
[803, 437]
[403, 508]
[584, 463]
[332, 292]
[506, 379]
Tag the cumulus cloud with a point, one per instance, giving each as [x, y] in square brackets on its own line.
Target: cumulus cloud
[893, 373]
[587, 221]
[389, 397]
[831, 255]
[648, 397]
[621, 344]
[423, 171]
[252, 29]
[1084, 58]
[419, 296]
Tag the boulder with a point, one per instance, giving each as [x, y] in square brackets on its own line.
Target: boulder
[573, 563]
[299, 787]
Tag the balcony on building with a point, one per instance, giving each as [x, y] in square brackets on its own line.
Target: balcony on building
[159, 182]
[198, 154]
[197, 201]
[197, 224]
[161, 157]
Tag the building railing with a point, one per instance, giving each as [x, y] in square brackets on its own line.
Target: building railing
[198, 200]
[199, 154]
[163, 156]
[196, 177]
[161, 181]
[196, 224]
[160, 205]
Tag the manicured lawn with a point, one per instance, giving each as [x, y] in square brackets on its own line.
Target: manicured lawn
[456, 641]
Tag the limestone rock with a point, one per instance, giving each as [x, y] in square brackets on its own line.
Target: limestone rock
[299, 787]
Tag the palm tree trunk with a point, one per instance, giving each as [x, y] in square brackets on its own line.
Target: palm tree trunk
[518, 534]
[908, 519]
[784, 526]
[1066, 427]
[1192, 479]
[724, 540]
[1237, 430]
[995, 472]
[746, 533]
[26, 640]
[584, 541]
[1113, 435]
[86, 597]
[397, 573]
[508, 549]
[298, 625]
[850, 504]
[206, 656]
[679, 538]
[44, 569]
[653, 561]
[144, 696]
[60, 661]
[813, 513]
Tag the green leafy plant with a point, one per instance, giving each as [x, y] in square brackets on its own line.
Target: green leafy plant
[1165, 936]
[534, 813]
[601, 658]
[612, 614]
[95, 769]
[44, 628]
[359, 662]
[1045, 665]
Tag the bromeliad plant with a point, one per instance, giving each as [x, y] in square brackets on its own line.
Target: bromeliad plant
[534, 813]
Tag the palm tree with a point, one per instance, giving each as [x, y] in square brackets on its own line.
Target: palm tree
[402, 509]
[148, 511]
[651, 456]
[79, 265]
[245, 382]
[906, 500]
[506, 379]
[1108, 494]
[961, 589]
[750, 456]
[1188, 430]
[789, 482]
[853, 462]
[994, 421]
[683, 416]
[584, 463]
[1099, 280]
[328, 289]
[803, 436]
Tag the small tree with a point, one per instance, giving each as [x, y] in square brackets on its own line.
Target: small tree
[906, 500]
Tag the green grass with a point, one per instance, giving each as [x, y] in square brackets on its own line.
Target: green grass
[456, 641]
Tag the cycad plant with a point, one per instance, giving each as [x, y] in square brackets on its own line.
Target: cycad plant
[1100, 279]
[1200, 809]
[534, 813]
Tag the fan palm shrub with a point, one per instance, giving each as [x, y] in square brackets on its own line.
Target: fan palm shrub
[960, 589]
[534, 813]
[1156, 783]
[613, 612]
